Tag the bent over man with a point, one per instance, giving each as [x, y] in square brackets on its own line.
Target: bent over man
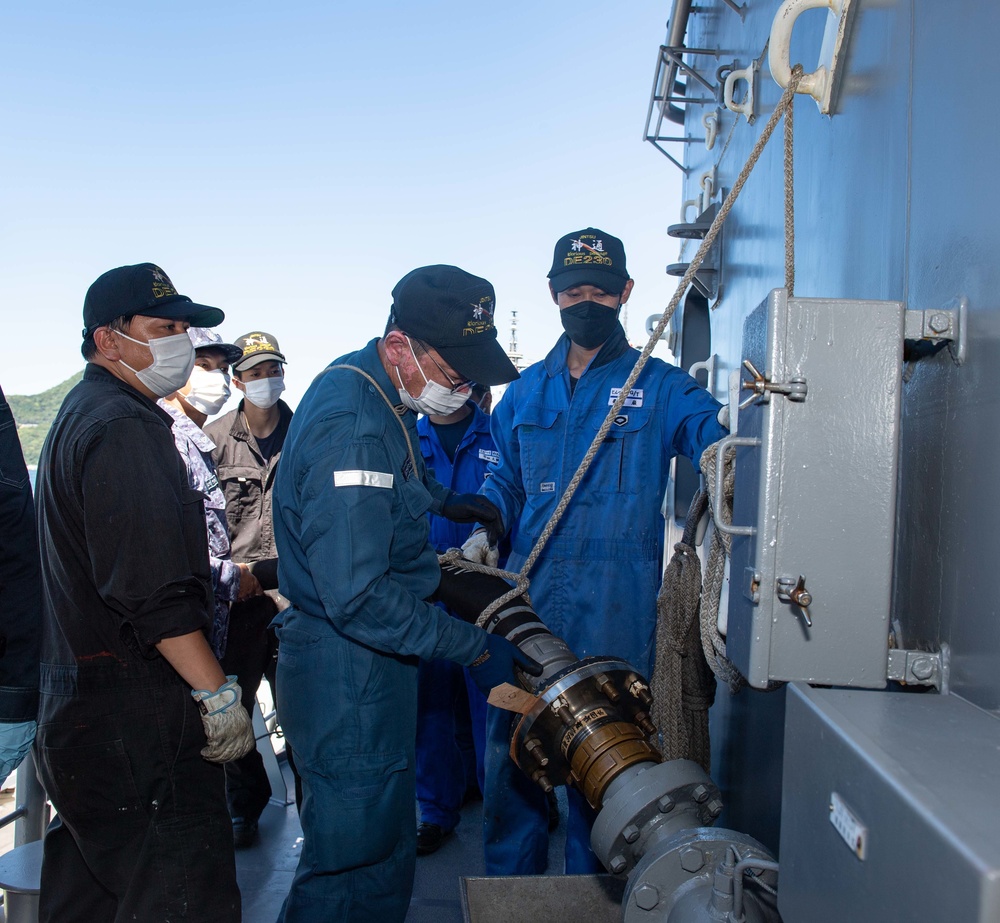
[350, 509]
[135, 713]
[596, 582]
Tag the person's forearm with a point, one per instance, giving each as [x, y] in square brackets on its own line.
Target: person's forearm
[193, 659]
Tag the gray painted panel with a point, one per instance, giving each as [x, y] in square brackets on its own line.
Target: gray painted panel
[826, 475]
[948, 580]
[932, 812]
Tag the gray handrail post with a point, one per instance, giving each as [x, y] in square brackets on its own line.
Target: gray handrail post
[30, 795]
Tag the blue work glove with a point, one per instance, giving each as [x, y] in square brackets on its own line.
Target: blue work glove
[228, 728]
[15, 741]
[495, 664]
[474, 508]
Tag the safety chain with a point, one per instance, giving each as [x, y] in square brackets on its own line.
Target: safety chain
[785, 105]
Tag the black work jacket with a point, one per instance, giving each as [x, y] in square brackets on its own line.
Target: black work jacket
[20, 581]
[123, 547]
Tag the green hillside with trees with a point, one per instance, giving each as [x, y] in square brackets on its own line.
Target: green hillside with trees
[34, 414]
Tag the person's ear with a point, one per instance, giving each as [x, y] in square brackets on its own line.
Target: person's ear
[552, 292]
[627, 290]
[107, 343]
[395, 346]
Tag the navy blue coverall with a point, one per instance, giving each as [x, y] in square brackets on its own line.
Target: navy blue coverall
[596, 582]
[350, 517]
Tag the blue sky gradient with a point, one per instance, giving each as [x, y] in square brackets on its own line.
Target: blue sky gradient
[289, 163]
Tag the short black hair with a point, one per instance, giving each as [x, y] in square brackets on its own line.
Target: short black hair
[89, 348]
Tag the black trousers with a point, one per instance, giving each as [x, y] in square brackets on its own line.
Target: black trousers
[251, 653]
[142, 831]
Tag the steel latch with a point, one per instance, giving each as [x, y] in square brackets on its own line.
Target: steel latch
[795, 389]
[790, 590]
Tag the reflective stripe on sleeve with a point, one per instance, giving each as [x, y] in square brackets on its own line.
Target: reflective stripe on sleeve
[358, 478]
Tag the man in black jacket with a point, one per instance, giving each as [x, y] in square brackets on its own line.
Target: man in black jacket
[20, 601]
[135, 713]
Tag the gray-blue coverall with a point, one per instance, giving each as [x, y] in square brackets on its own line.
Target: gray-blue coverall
[350, 507]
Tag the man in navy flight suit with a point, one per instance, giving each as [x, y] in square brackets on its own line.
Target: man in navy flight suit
[350, 518]
[596, 582]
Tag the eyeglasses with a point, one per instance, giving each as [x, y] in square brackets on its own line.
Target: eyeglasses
[465, 384]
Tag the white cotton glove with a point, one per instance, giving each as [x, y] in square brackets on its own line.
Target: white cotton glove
[228, 728]
[15, 741]
[477, 548]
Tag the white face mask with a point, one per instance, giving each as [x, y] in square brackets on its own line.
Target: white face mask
[209, 390]
[434, 398]
[173, 360]
[264, 392]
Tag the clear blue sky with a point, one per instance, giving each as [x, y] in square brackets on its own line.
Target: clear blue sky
[289, 162]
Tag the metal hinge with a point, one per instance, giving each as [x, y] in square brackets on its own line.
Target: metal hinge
[940, 325]
[919, 668]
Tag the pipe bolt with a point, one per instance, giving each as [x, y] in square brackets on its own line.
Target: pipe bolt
[646, 897]
[692, 859]
[631, 833]
[665, 804]
[618, 864]
[700, 793]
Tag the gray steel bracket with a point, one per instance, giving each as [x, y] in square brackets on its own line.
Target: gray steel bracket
[920, 668]
[947, 324]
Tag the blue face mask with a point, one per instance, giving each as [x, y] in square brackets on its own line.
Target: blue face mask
[589, 323]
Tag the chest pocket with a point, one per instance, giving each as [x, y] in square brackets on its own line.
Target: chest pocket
[243, 489]
[539, 438]
[626, 460]
[195, 531]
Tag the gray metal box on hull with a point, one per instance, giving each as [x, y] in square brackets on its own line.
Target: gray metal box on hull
[890, 809]
[815, 491]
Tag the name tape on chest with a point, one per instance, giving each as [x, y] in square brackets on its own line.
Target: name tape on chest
[359, 478]
[634, 398]
[489, 455]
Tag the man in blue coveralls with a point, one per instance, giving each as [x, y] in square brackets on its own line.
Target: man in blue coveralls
[596, 582]
[456, 448]
[350, 505]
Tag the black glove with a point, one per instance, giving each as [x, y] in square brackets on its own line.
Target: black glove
[474, 508]
[495, 665]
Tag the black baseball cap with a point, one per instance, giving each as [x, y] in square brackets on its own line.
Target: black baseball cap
[141, 289]
[589, 257]
[452, 310]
